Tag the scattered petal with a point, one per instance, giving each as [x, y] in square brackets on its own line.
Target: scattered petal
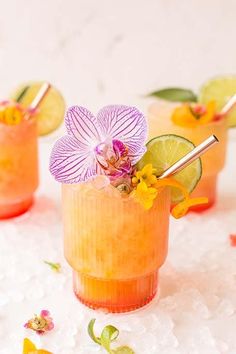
[30, 348]
[40, 323]
[232, 238]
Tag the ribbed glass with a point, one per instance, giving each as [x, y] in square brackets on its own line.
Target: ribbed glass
[18, 167]
[114, 245]
[159, 120]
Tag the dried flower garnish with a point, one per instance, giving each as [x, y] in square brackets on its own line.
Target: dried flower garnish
[56, 267]
[40, 323]
[109, 334]
[232, 238]
[108, 144]
[30, 348]
[188, 115]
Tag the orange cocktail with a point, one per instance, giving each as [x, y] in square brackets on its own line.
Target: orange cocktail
[114, 245]
[115, 209]
[18, 166]
[160, 122]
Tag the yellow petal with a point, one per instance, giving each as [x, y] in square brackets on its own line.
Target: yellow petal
[28, 346]
[142, 187]
[147, 169]
[184, 117]
[147, 204]
[182, 208]
[12, 116]
[139, 174]
[210, 113]
[152, 180]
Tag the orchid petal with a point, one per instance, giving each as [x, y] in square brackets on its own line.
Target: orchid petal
[71, 161]
[134, 158]
[82, 125]
[123, 123]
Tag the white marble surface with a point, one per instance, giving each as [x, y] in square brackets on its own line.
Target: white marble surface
[100, 52]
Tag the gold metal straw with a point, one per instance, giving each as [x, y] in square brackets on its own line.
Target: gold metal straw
[190, 157]
[228, 106]
[40, 95]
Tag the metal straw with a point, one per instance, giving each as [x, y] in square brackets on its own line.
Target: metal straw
[190, 157]
[228, 106]
[40, 95]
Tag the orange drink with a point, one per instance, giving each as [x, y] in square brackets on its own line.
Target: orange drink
[115, 209]
[160, 122]
[18, 167]
[114, 245]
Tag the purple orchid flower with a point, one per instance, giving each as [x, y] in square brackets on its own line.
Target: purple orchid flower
[110, 143]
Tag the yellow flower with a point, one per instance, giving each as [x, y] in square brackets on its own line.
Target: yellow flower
[145, 175]
[11, 115]
[30, 348]
[209, 115]
[144, 195]
[191, 116]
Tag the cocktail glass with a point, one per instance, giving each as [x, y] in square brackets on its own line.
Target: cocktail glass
[115, 212]
[18, 167]
[114, 245]
[159, 120]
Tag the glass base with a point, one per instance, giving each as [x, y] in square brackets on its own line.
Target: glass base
[207, 187]
[115, 295]
[10, 210]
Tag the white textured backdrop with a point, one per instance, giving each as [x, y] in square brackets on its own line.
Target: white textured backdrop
[115, 51]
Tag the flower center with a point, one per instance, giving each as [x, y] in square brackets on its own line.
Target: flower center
[113, 158]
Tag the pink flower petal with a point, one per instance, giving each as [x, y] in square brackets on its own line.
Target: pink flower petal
[44, 313]
[82, 125]
[134, 158]
[50, 326]
[126, 124]
[71, 162]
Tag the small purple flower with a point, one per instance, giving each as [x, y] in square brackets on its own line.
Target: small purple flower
[110, 143]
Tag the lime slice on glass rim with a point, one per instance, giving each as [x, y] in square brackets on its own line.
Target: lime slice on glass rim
[163, 151]
[51, 110]
[220, 89]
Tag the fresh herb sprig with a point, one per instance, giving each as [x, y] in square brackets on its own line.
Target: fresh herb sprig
[109, 334]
